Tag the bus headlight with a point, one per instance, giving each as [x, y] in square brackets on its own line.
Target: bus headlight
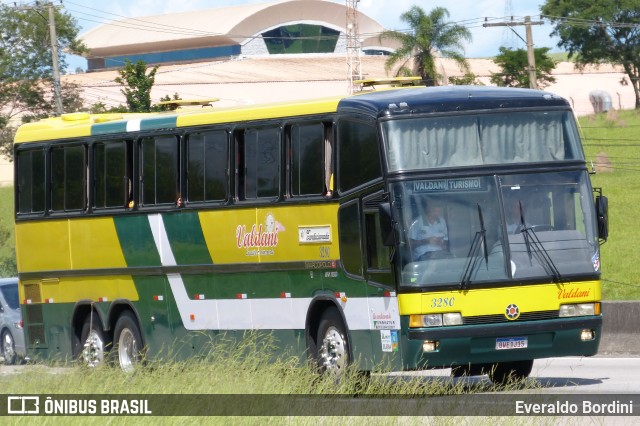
[435, 320]
[579, 310]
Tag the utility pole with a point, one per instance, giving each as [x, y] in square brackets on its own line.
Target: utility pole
[354, 71]
[54, 51]
[531, 58]
[54, 54]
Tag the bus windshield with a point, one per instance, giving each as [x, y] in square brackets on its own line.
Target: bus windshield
[465, 231]
[480, 139]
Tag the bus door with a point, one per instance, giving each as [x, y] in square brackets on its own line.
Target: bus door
[383, 303]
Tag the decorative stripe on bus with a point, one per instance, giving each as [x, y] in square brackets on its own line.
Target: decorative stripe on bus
[134, 125]
[196, 314]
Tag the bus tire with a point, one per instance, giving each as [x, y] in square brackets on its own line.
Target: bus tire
[8, 348]
[332, 343]
[510, 372]
[92, 351]
[127, 341]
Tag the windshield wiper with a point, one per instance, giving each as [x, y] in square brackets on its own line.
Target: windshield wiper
[531, 240]
[472, 257]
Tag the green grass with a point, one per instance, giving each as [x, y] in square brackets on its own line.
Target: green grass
[228, 370]
[613, 138]
[7, 242]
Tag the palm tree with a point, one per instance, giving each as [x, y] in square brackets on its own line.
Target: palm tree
[429, 35]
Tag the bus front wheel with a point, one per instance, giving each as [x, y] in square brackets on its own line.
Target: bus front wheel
[93, 342]
[128, 342]
[510, 372]
[332, 343]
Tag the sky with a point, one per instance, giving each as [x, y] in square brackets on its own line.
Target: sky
[470, 13]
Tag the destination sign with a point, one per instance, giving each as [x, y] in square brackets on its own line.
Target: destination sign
[463, 184]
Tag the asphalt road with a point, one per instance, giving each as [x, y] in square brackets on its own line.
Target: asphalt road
[593, 375]
[588, 375]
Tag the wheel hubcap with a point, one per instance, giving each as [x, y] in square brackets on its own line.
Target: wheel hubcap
[333, 355]
[127, 350]
[93, 352]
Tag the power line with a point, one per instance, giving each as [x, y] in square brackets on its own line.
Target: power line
[531, 59]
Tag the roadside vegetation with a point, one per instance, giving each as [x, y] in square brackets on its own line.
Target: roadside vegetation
[7, 245]
[245, 369]
[612, 145]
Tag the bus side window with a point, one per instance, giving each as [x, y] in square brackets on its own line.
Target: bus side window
[68, 178]
[328, 160]
[377, 253]
[159, 169]
[358, 154]
[258, 172]
[308, 171]
[207, 163]
[350, 234]
[31, 181]
[112, 174]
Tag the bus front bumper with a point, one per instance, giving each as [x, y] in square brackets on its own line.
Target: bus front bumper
[443, 347]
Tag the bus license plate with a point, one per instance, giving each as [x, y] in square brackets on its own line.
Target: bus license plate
[511, 343]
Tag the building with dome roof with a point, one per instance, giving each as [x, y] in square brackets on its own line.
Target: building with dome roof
[286, 50]
[274, 28]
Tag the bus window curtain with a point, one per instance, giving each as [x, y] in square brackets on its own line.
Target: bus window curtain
[475, 140]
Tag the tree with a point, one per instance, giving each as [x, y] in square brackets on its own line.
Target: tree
[137, 85]
[7, 251]
[596, 32]
[137, 90]
[515, 65]
[468, 78]
[429, 35]
[26, 76]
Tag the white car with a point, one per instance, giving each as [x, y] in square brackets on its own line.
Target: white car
[11, 333]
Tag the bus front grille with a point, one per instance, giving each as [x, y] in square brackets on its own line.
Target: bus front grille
[525, 316]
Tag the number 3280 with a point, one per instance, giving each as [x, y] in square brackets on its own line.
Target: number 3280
[442, 302]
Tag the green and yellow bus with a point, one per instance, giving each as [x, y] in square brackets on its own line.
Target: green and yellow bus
[310, 221]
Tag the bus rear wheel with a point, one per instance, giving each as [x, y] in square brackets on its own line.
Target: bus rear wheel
[510, 372]
[127, 342]
[332, 344]
[92, 351]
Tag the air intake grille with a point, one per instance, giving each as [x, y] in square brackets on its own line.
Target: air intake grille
[34, 314]
[525, 316]
[36, 336]
[32, 292]
[35, 326]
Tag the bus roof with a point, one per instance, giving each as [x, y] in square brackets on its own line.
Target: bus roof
[376, 103]
[78, 125]
[449, 99]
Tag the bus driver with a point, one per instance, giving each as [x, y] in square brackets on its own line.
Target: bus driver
[428, 234]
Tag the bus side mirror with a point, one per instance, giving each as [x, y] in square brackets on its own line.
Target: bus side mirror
[602, 212]
[386, 224]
